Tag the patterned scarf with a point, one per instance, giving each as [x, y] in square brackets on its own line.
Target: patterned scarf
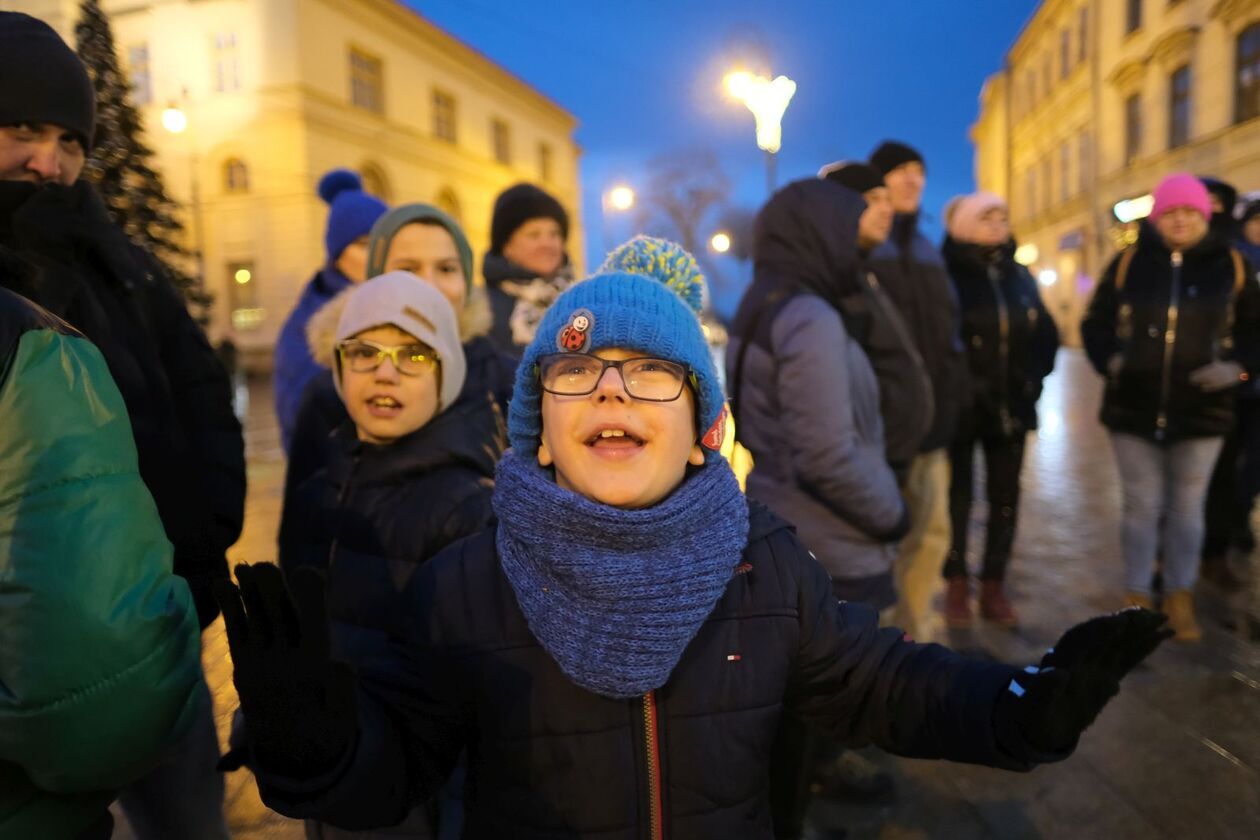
[616, 595]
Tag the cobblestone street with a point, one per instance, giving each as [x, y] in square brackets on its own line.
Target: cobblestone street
[1176, 755]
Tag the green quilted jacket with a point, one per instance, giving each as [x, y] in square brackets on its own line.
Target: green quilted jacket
[99, 642]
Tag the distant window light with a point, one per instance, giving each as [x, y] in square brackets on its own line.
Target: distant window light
[1133, 16]
[1047, 182]
[1247, 81]
[1030, 190]
[1132, 128]
[444, 116]
[367, 81]
[1065, 53]
[501, 139]
[242, 294]
[1083, 162]
[545, 166]
[227, 67]
[1179, 107]
[235, 176]
[1065, 171]
[1082, 38]
[375, 182]
[139, 74]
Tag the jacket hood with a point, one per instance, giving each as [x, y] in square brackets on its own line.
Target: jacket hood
[807, 236]
[475, 319]
[968, 257]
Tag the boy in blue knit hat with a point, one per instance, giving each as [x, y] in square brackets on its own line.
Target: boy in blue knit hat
[616, 654]
[351, 214]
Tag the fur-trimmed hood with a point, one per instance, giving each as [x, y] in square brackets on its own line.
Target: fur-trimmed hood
[321, 330]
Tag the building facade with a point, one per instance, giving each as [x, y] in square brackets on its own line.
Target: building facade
[276, 92]
[1098, 100]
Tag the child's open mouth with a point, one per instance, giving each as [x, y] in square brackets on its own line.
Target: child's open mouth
[615, 443]
[384, 407]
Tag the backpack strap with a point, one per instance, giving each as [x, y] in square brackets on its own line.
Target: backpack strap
[1122, 270]
[1240, 271]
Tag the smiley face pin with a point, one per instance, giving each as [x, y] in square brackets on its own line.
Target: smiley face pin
[575, 336]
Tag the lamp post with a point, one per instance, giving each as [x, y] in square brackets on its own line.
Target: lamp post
[175, 120]
[768, 100]
[720, 242]
[617, 199]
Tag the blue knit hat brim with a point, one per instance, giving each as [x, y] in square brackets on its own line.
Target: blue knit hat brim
[627, 311]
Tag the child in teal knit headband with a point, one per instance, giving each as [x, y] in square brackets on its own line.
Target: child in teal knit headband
[616, 654]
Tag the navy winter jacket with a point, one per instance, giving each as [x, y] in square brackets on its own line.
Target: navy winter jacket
[547, 759]
[808, 400]
[294, 366]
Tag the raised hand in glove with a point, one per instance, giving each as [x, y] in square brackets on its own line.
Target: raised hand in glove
[1048, 707]
[299, 704]
[1217, 376]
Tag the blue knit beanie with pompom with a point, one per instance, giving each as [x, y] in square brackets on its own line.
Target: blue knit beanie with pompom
[646, 297]
[351, 211]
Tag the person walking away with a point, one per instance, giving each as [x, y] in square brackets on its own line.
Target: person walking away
[422, 240]
[1174, 327]
[912, 272]
[99, 644]
[815, 432]
[351, 214]
[1011, 343]
[617, 652]
[526, 266]
[178, 398]
[414, 473]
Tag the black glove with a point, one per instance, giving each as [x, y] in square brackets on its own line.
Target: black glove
[299, 704]
[1050, 706]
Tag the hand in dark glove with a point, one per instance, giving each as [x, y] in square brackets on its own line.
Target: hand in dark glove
[299, 704]
[1051, 705]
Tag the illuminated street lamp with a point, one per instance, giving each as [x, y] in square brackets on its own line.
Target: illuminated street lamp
[768, 100]
[720, 242]
[618, 199]
[174, 119]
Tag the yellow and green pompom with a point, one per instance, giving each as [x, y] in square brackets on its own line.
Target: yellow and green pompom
[661, 260]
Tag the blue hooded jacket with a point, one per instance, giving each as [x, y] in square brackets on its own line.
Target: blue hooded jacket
[294, 365]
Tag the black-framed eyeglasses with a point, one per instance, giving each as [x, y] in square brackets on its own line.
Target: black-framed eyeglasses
[362, 356]
[645, 378]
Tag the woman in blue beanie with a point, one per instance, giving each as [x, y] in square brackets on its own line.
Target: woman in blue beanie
[616, 653]
[351, 214]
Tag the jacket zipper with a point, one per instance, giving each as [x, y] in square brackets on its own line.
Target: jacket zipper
[342, 498]
[1170, 340]
[656, 817]
[929, 396]
[1004, 350]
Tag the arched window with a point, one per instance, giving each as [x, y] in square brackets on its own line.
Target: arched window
[235, 176]
[1247, 75]
[448, 203]
[375, 181]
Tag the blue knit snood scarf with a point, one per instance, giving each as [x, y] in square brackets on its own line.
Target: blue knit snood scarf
[616, 595]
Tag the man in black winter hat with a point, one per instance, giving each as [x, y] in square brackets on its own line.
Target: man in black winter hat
[912, 272]
[526, 267]
[83, 269]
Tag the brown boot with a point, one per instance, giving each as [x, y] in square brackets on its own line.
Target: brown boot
[957, 603]
[994, 606]
[1180, 608]
[1137, 599]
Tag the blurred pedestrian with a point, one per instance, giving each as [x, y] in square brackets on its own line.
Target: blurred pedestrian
[188, 440]
[526, 267]
[351, 214]
[426, 242]
[912, 272]
[617, 653]
[1011, 342]
[1174, 327]
[412, 471]
[99, 644]
[1249, 230]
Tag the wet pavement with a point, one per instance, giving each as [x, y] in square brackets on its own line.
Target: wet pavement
[1175, 755]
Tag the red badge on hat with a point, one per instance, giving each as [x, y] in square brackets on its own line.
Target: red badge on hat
[717, 433]
[575, 336]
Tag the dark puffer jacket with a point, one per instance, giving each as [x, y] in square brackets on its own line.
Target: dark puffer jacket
[1167, 321]
[375, 513]
[1010, 338]
[913, 274]
[547, 759]
[192, 454]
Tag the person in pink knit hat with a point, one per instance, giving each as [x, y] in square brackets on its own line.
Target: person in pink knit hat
[1010, 342]
[1174, 328]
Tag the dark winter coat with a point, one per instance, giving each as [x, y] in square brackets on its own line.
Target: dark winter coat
[1167, 321]
[1010, 338]
[547, 759]
[295, 367]
[913, 274]
[374, 513]
[192, 454]
[808, 404]
[518, 300]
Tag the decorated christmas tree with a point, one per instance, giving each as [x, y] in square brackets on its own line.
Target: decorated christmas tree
[119, 163]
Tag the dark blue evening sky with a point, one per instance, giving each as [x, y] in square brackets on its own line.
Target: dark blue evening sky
[643, 78]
